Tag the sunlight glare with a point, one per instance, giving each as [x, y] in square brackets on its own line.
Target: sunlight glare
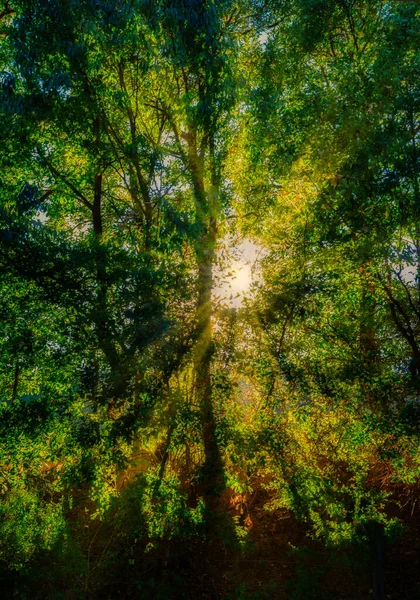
[237, 278]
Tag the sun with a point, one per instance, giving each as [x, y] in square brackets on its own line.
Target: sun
[234, 282]
[241, 279]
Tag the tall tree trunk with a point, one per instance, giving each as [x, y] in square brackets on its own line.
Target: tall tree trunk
[367, 338]
[212, 475]
[206, 214]
[119, 375]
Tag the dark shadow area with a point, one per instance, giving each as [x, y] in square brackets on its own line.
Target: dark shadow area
[247, 555]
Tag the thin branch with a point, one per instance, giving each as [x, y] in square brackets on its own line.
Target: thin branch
[68, 183]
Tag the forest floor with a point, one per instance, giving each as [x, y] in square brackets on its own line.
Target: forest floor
[257, 555]
[251, 555]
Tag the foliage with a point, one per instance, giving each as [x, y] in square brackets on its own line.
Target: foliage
[138, 414]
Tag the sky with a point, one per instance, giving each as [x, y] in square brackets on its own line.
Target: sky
[233, 282]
